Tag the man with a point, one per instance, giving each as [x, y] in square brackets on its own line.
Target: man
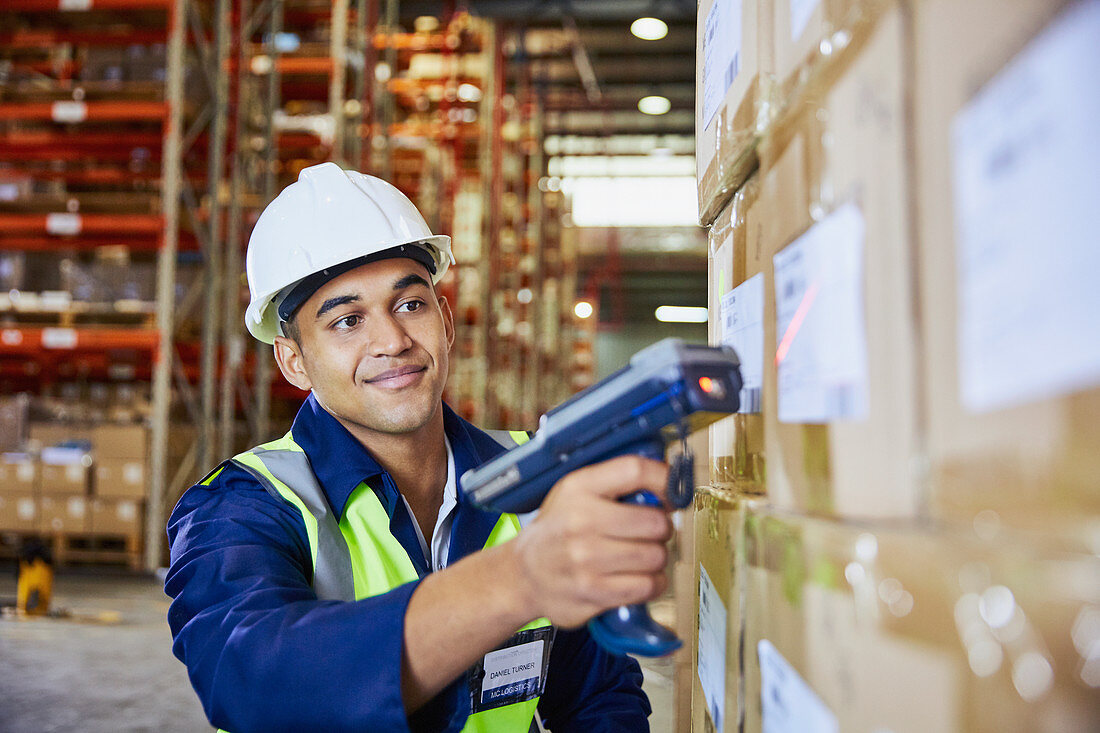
[337, 579]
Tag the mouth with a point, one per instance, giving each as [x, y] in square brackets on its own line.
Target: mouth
[398, 377]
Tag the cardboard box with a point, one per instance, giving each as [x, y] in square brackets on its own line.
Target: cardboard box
[856, 628]
[716, 685]
[840, 329]
[1010, 343]
[18, 511]
[120, 478]
[65, 471]
[13, 422]
[46, 434]
[116, 516]
[120, 441]
[684, 592]
[18, 472]
[808, 36]
[732, 48]
[736, 302]
[61, 514]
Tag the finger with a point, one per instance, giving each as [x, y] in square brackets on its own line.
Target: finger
[628, 521]
[613, 557]
[621, 476]
[624, 589]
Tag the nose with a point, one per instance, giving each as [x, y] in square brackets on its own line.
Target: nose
[388, 337]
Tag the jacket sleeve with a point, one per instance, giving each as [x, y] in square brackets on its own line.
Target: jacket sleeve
[263, 653]
[590, 690]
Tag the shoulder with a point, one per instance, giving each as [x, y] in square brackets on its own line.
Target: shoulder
[231, 505]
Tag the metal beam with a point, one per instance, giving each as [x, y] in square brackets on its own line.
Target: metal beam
[166, 284]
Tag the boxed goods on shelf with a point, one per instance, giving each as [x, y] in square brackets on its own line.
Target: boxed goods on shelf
[716, 674]
[18, 472]
[18, 511]
[863, 628]
[833, 221]
[121, 478]
[1006, 116]
[732, 52]
[116, 516]
[65, 470]
[63, 514]
[115, 442]
[736, 305]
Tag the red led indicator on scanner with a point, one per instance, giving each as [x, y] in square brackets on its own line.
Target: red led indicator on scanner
[712, 387]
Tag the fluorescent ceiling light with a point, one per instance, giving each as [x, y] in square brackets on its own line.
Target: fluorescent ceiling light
[583, 309]
[681, 314]
[649, 29]
[654, 104]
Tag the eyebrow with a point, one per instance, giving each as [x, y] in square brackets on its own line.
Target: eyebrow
[410, 279]
[336, 302]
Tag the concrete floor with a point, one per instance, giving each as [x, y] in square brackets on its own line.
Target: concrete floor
[84, 675]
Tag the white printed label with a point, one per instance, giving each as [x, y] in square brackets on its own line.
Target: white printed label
[24, 472]
[801, 12]
[512, 671]
[821, 354]
[1026, 159]
[66, 112]
[126, 511]
[24, 509]
[743, 330]
[74, 5]
[712, 648]
[721, 54]
[63, 225]
[788, 705]
[59, 338]
[131, 473]
[76, 507]
[11, 337]
[74, 474]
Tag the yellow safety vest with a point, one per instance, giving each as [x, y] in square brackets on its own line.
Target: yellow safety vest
[355, 556]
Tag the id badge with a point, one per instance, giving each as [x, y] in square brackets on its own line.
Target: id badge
[513, 672]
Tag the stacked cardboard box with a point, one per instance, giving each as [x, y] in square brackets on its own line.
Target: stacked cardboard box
[859, 628]
[916, 258]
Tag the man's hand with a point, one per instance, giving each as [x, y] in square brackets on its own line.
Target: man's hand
[586, 552]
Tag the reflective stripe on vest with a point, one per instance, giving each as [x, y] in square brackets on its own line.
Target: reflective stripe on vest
[355, 556]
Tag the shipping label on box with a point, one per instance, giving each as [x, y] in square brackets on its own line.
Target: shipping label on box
[1026, 154]
[743, 331]
[712, 648]
[820, 325]
[788, 703]
[721, 55]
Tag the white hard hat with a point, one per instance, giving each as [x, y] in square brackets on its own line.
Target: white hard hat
[328, 218]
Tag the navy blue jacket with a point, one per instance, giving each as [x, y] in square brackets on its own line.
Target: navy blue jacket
[264, 654]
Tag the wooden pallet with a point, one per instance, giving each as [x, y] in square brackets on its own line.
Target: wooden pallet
[79, 548]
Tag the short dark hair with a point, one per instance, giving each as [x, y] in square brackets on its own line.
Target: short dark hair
[290, 328]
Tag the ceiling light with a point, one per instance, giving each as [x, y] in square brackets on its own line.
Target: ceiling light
[649, 29]
[681, 314]
[654, 104]
[583, 309]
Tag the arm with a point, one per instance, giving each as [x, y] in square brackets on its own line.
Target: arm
[583, 554]
[261, 651]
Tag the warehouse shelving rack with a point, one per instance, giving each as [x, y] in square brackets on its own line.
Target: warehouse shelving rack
[86, 136]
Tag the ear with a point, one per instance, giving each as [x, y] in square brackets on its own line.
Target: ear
[288, 355]
[448, 319]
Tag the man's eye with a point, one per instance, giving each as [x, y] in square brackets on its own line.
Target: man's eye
[346, 322]
[410, 306]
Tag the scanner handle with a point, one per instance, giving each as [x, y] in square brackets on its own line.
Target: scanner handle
[630, 629]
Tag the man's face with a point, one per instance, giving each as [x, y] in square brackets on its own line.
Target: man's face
[374, 346]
